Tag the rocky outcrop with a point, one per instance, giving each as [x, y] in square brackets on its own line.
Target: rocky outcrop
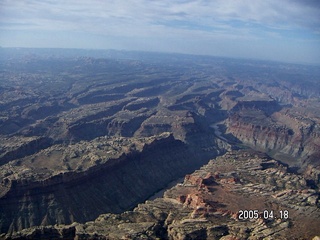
[82, 196]
[25, 148]
[267, 107]
[209, 204]
[81, 136]
[295, 140]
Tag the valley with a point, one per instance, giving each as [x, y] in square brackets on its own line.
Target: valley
[86, 137]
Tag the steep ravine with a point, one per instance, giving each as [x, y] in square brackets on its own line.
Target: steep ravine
[83, 196]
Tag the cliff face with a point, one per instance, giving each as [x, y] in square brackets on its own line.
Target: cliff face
[279, 135]
[81, 137]
[80, 197]
[208, 205]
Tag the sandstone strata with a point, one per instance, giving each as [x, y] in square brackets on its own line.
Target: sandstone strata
[95, 183]
[286, 135]
[207, 204]
[82, 136]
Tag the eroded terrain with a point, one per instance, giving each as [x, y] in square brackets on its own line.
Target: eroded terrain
[84, 134]
[208, 204]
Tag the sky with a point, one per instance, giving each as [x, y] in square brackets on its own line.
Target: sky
[281, 30]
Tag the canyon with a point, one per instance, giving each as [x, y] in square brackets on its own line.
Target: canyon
[209, 205]
[86, 137]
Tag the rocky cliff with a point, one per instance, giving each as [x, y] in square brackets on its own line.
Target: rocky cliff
[286, 136]
[83, 195]
[81, 136]
[212, 203]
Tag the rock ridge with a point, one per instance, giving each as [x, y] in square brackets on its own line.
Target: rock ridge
[106, 180]
[208, 205]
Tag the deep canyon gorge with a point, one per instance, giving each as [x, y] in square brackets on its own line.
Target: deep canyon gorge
[87, 137]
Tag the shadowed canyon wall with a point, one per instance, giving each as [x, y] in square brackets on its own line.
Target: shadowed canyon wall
[118, 185]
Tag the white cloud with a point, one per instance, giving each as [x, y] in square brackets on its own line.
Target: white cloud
[161, 23]
[73, 14]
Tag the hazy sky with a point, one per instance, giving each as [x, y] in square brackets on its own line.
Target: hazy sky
[284, 30]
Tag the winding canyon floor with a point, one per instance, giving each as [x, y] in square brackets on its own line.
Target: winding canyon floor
[86, 137]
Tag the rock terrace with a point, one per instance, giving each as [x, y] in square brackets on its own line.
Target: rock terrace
[207, 205]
